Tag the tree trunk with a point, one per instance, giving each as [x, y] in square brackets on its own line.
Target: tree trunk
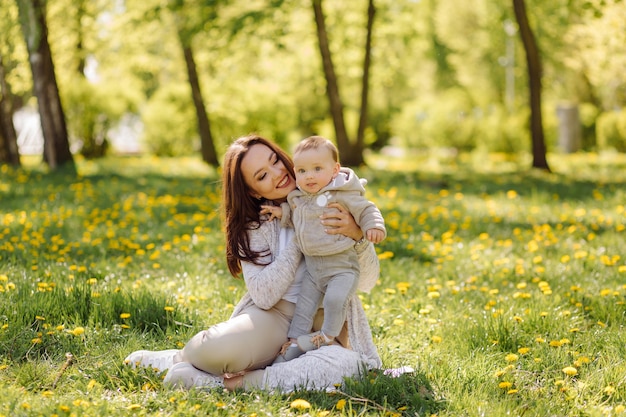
[533, 61]
[360, 136]
[209, 154]
[332, 87]
[9, 152]
[56, 144]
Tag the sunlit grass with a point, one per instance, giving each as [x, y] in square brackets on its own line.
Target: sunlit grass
[503, 287]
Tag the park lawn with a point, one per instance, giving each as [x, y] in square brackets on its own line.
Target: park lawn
[503, 288]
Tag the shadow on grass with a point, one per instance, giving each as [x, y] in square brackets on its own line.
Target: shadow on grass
[407, 394]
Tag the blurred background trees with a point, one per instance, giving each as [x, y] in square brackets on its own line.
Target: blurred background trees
[188, 76]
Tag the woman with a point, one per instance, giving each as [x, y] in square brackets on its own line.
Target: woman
[239, 352]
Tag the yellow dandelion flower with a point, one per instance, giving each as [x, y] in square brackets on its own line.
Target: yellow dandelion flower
[125, 326]
[433, 294]
[168, 308]
[523, 350]
[555, 343]
[505, 385]
[620, 409]
[125, 315]
[64, 408]
[47, 394]
[36, 340]
[300, 404]
[436, 339]
[78, 331]
[40, 318]
[511, 357]
[341, 404]
[499, 373]
[511, 392]
[385, 255]
[609, 390]
[570, 371]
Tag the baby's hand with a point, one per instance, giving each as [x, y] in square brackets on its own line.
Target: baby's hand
[375, 235]
[274, 211]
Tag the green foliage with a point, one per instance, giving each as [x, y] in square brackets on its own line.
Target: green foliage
[588, 118]
[611, 130]
[170, 126]
[91, 110]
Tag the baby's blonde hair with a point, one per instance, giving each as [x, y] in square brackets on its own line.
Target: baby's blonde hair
[316, 142]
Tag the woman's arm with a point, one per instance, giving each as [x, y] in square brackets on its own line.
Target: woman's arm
[267, 284]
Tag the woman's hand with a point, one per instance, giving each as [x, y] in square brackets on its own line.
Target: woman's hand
[341, 222]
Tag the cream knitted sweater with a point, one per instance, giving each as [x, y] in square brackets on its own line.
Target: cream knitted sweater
[266, 285]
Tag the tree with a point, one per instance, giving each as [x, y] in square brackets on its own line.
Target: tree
[56, 144]
[533, 61]
[351, 153]
[9, 152]
[187, 28]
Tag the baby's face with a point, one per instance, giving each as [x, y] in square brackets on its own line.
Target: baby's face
[314, 168]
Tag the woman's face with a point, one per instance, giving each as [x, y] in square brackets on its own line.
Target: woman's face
[265, 174]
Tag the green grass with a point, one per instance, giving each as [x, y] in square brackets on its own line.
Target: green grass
[503, 288]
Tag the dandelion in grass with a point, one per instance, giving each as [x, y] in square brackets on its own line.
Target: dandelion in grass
[570, 371]
[523, 350]
[341, 404]
[499, 373]
[168, 308]
[511, 357]
[133, 407]
[125, 315]
[609, 390]
[385, 255]
[300, 404]
[620, 409]
[436, 339]
[78, 331]
[506, 385]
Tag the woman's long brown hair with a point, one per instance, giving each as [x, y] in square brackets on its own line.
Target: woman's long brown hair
[240, 211]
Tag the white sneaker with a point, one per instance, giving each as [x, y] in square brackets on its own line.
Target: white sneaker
[185, 375]
[160, 360]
